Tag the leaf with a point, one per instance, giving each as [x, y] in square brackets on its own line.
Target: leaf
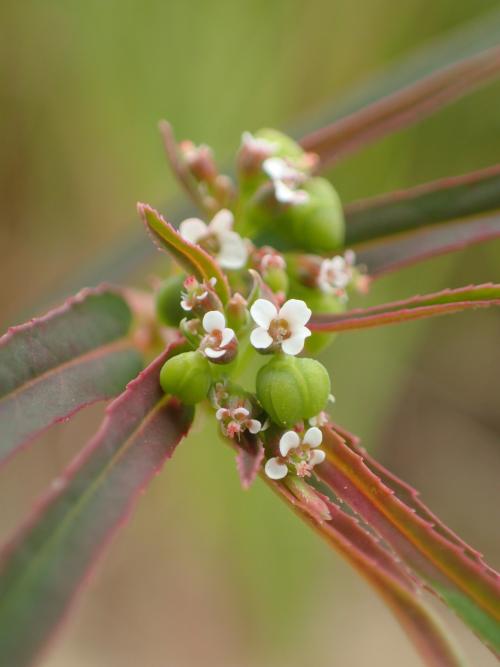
[462, 198]
[401, 109]
[44, 565]
[190, 256]
[417, 307]
[380, 568]
[53, 366]
[453, 571]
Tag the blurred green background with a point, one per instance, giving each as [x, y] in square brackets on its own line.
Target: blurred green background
[204, 573]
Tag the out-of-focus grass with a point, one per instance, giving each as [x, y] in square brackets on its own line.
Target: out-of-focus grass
[205, 573]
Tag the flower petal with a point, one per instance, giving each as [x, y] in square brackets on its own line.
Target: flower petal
[222, 413]
[254, 426]
[193, 229]
[293, 345]
[240, 412]
[263, 312]
[295, 312]
[214, 354]
[276, 168]
[214, 320]
[260, 338]
[222, 222]
[233, 251]
[227, 336]
[313, 437]
[275, 470]
[289, 440]
[317, 457]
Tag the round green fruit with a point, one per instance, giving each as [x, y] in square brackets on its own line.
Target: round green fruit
[168, 301]
[286, 147]
[186, 376]
[291, 389]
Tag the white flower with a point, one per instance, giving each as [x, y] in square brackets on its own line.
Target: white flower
[218, 338]
[285, 327]
[218, 238]
[258, 145]
[235, 420]
[285, 180]
[336, 273]
[195, 292]
[301, 455]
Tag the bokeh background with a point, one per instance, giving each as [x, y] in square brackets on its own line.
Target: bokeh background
[204, 573]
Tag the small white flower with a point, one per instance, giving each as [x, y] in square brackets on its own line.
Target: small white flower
[321, 419]
[300, 454]
[218, 338]
[285, 180]
[218, 238]
[335, 274]
[236, 420]
[285, 327]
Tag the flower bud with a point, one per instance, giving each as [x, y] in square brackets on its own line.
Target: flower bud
[318, 224]
[186, 376]
[237, 312]
[168, 301]
[291, 389]
[200, 161]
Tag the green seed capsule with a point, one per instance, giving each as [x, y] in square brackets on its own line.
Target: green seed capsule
[186, 376]
[168, 301]
[286, 147]
[291, 389]
[318, 224]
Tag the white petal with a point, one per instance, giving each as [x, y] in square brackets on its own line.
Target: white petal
[222, 413]
[186, 306]
[283, 193]
[214, 354]
[193, 229]
[222, 222]
[233, 252]
[276, 168]
[254, 425]
[263, 312]
[313, 437]
[240, 411]
[227, 336]
[260, 338]
[214, 320]
[289, 440]
[317, 457]
[275, 470]
[350, 257]
[257, 144]
[293, 345]
[295, 312]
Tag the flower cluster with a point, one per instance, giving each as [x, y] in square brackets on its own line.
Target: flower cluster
[271, 291]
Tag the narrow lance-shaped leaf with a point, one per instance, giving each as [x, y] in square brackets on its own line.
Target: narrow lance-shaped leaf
[42, 567]
[417, 307]
[379, 567]
[190, 256]
[402, 108]
[456, 573]
[54, 365]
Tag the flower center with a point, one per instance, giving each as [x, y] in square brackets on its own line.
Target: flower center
[211, 244]
[279, 330]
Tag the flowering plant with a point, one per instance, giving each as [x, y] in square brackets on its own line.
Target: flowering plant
[257, 291]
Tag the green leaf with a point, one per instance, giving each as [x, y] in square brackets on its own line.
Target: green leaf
[405, 107]
[378, 565]
[44, 564]
[449, 568]
[465, 198]
[190, 256]
[417, 307]
[54, 365]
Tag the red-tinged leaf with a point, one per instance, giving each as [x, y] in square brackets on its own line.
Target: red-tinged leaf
[456, 573]
[402, 108]
[190, 256]
[46, 562]
[178, 164]
[380, 568]
[53, 366]
[464, 198]
[250, 453]
[417, 307]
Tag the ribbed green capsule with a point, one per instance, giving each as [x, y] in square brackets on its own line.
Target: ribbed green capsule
[291, 389]
[186, 376]
[168, 301]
